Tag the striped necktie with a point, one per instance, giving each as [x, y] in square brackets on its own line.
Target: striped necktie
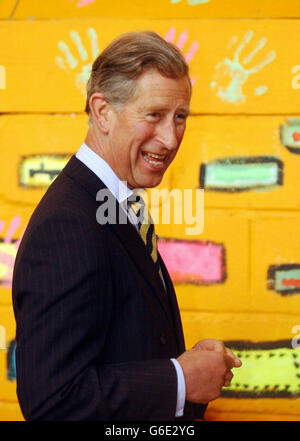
[146, 228]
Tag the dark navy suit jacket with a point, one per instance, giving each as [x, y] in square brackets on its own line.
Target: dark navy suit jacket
[95, 327]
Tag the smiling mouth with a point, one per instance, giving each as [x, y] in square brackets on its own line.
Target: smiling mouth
[154, 159]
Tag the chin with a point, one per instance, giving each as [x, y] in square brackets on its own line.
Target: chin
[151, 183]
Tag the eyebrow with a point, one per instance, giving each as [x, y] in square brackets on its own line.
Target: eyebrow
[185, 110]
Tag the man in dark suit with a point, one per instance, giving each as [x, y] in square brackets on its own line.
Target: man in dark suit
[99, 334]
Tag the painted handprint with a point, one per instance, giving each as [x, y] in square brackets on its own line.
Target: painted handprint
[192, 2]
[82, 3]
[82, 67]
[8, 251]
[235, 72]
[170, 37]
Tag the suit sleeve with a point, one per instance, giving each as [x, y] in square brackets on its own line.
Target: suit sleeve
[63, 301]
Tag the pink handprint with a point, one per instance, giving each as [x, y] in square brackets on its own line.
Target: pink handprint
[82, 3]
[8, 251]
[170, 37]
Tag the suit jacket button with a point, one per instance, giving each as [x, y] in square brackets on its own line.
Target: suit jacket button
[163, 339]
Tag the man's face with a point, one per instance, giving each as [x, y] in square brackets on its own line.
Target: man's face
[145, 136]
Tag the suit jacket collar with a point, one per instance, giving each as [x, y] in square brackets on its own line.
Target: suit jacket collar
[125, 232]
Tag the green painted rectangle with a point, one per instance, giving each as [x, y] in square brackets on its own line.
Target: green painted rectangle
[284, 279]
[290, 135]
[240, 174]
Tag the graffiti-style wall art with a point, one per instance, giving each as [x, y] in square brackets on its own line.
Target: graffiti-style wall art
[196, 262]
[80, 62]
[38, 171]
[284, 279]
[241, 174]
[8, 251]
[239, 279]
[234, 71]
[11, 361]
[290, 135]
[191, 2]
[270, 370]
[180, 43]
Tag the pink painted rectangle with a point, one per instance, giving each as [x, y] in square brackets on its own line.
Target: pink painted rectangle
[196, 262]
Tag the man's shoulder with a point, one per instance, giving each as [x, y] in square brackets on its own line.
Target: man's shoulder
[65, 201]
[66, 194]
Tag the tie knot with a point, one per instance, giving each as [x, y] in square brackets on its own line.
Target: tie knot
[136, 200]
[137, 203]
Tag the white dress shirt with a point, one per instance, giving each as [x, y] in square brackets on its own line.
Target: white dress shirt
[121, 192]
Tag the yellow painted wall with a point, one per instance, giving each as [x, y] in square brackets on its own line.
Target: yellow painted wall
[245, 106]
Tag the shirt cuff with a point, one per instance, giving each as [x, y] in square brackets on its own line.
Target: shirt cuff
[180, 389]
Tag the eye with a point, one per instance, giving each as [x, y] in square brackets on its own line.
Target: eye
[181, 117]
[154, 116]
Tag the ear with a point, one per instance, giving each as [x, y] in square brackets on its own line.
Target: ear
[101, 111]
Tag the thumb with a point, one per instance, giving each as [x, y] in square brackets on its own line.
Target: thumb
[237, 362]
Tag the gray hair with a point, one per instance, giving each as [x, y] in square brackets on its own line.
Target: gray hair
[116, 70]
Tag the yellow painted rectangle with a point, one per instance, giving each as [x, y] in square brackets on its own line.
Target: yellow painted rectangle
[240, 139]
[10, 412]
[237, 326]
[156, 9]
[251, 241]
[237, 66]
[235, 415]
[231, 292]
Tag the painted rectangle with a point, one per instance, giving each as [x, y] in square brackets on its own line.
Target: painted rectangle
[196, 262]
[269, 370]
[284, 279]
[241, 174]
[290, 135]
[38, 171]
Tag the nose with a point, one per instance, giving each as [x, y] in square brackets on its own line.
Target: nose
[167, 134]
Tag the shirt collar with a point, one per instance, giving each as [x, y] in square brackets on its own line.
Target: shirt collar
[104, 172]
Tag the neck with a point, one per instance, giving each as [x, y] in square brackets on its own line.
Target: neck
[94, 142]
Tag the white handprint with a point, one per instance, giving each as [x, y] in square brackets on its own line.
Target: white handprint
[82, 68]
[234, 71]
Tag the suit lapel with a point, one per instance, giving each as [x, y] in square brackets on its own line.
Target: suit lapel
[125, 232]
[135, 247]
[174, 306]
